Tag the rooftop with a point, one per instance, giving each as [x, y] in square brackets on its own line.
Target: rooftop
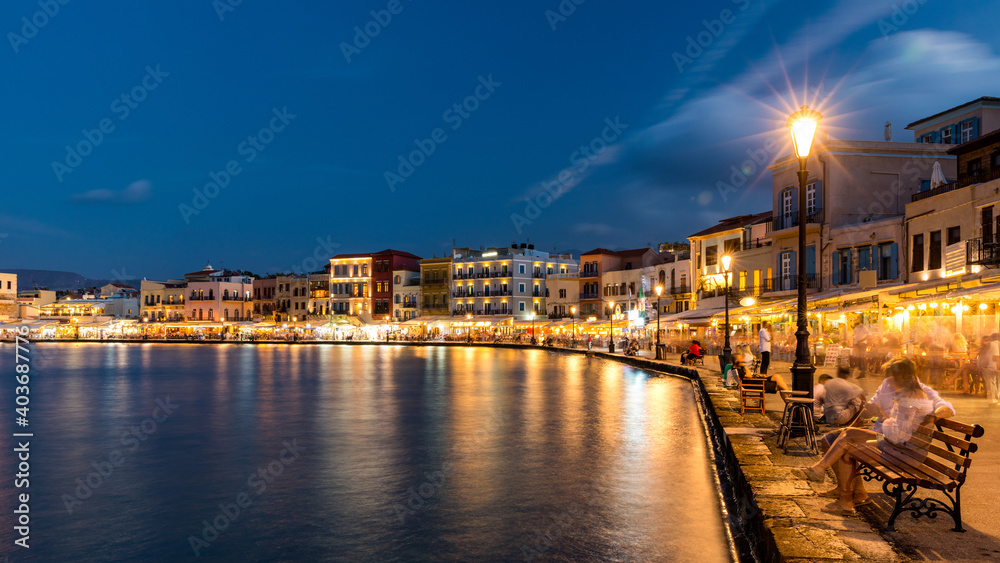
[733, 223]
[918, 122]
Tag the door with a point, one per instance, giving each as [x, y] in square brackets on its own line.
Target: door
[786, 209]
[786, 270]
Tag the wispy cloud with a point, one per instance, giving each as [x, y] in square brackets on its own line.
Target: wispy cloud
[136, 192]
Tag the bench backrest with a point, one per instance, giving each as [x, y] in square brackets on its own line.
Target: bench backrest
[951, 443]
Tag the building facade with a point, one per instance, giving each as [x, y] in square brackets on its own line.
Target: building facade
[8, 297]
[218, 295]
[350, 285]
[264, 298]
[162, 301]
[504, 281]
[746, 239]
[405, 295]
[435, 286]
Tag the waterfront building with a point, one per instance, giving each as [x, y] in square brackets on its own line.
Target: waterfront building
[264, 298]
[218, 295]
[8, 297]
[385, 265]
[855, 200]
[674, 275]
[30, 301]
[405, 295]
[747, 239]
[959, 124]
[953, 228]
[504, 281]
[292, 295]
[162, 301]
[112, 288]
[607, 275]
[319, 295]
[562, 295]
[350, 285]
[435, 286]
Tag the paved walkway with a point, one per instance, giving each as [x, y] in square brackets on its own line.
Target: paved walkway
[791, 506]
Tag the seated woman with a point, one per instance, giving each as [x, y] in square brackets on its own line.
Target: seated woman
[693, 353]
[743, 359]
[903, 435]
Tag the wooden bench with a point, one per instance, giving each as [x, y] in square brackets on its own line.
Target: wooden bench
[944, 469]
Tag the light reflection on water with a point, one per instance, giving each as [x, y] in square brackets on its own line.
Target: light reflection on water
[521, 452]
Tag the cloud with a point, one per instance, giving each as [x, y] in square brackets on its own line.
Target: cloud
[136, 192]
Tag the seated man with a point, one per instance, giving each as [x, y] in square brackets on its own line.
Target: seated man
[842, 399]
[693, 353]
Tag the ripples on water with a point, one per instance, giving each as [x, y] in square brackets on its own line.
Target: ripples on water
[517, 453]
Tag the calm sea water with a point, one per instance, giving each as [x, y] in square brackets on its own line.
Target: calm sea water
[145, 452]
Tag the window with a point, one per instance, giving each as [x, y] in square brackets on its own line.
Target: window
[975, 167]
[732, 246]
[743, 280]
[562, 294]
[355, 270]
[967, 131]
[886, 261]
[397, 298]
[520, 286]
[811, 199]
[520, 306]
[397, 280]
[954, 235]
[928, 138]
[946, 136]
[934, 254]
[521, 268]
[917, 257]
[711, 255]
[841, 264]
[786, 209]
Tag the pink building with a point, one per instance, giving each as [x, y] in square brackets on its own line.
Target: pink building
[218, 295]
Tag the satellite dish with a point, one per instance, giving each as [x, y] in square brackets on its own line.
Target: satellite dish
[888, 131]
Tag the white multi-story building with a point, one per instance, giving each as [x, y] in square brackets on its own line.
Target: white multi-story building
[405, 294]
[218, 295]
[504, 281]
[351, 285]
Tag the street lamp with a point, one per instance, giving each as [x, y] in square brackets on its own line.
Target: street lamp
[572, 311]
[727, 351]
[659, 291]
[611, 334]
[802, 125]
[387, 328]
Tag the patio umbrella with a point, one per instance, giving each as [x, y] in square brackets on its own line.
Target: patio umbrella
[937, 176]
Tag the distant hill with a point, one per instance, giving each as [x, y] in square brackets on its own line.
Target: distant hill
[60, 281]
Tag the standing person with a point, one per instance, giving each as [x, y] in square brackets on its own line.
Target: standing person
[765, 347]
[859, 351]
[990, 371]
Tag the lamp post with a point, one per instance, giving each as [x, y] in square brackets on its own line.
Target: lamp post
[572, 312]
[387, 328]
[611, 333]
[802, 125]
[727, 351]
[659, 291]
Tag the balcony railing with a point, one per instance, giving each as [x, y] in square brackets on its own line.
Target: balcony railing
[962, 181]
[787, 283]
[590, 295]
[984, 251]
[589, 274]
[789, 220]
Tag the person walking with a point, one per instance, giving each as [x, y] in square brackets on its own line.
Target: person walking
[765, 347]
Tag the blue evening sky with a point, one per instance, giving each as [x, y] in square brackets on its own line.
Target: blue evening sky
[201, 77]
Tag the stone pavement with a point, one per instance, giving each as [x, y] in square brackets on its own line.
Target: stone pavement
[790, 507]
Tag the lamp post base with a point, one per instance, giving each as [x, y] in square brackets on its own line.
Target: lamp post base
[611, 347]
[802, 376]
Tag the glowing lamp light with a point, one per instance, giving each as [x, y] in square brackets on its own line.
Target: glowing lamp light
[933, 305]
[726, 261]
[910, 308]
[802, 126]
[747, 301]
[982, 306]
[922, 306]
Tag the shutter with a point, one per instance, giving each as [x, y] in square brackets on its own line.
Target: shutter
[955, 132]
[878, 262]
[811, 260]
[925, 185]
[792, 269]
[893, 265]
[847, 274]
[819, 195]
[975, 127]
[835, 267]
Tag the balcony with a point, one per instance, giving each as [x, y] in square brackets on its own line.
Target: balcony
[789, 220]
[787, 283]
[679, 290]
[589, 274]
[593, 295]
[962, 181]
[983, 251]
[538, 275]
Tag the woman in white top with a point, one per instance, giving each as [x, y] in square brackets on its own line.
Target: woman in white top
[903, 436]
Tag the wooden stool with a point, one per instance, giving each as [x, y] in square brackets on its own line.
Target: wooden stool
[752, 391]
[797, 417]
